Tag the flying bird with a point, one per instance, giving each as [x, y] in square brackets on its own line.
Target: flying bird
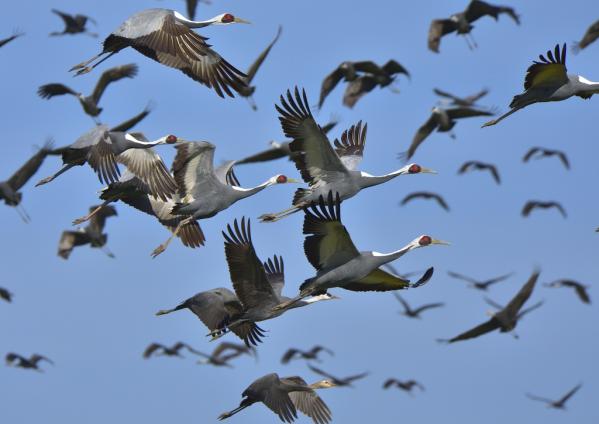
[480, 284]
[15, 35]
[579, 288]
[91, 234]
[461, 22]
[589, 37]
[341, 382]
[474, 165]
[192, 6]
[548, 81]
[284, 396]
[224, 353]
[504, 320]
[311, 354]
[157, 349]
[521, 313]
[167, 37]
[5, 295]
[415, 313]
[441, 120]
[73, 24]
[453, 100]
[16, 360]
[90, 103]
[425, 195]
[326, 168]
[537, 204]
[406, 386]
[541, 152]
[556, 404]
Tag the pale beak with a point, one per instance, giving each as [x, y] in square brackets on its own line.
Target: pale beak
[241, 21]
[427, 171]
[444, 243]
[293, 180]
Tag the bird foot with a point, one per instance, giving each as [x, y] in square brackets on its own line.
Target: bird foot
[488, 124]
[268, 217]
[80, 220]
[44, 181]
[158, 250]
[83, 70]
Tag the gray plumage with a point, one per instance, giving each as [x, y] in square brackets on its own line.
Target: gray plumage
[479, 284]
[16, 360]
[415, 312]
[468, 101]
[427, 195]
[311, 354]
[541, 152]
[225, 352]
[591, 34]
[579, 288]
[480, 166]
[91, 234]
[538, 204]
[158, 349]
[73, 24]
[339, 381]
[556, 404]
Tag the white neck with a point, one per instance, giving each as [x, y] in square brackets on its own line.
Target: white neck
[372, 180]
[137, 142]
[193, 24]
[384, 258]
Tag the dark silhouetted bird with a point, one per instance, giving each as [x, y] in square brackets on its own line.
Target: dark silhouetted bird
[15, 35]
[537, 204]
[406, 386]
[541, 152]
[426, 195]
[5, 294]
[224, 353]
[479, 284]
[557, 404]
[579, 288]
[341, 382]
[16, 360]
[73, 24]
[468, 101]
[157, 349]
[91, 234]
[589, 37]
[311, 354]
[480, 166]
[415, 313]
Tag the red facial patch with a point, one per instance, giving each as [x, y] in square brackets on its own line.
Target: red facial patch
[425, 241]
[227, 18]
[281, 179]
[171, 139]
[414, 169]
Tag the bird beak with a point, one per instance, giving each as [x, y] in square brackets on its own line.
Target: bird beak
[241, 21]
[424, 170]
[293, 180]
[444, 243]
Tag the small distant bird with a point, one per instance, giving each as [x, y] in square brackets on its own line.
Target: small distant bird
[15, 35]
[157, 349]
[284, 396]
[90, 234]
[426, 195]
[462, 22]
[480, 166]
[224, 353]
[341, 382]
[406, 386]
[548, 81]
[478, 284]
[360, 84]
[167, 37]
[506, 319]
[537, 204]
[311, 354]
[541, 152]
[90, 103]
[5, 295]
[9, 189]
[415, 313]
[468, 101]
[74, 24]
[16, 360]
[579, 288]
[589, 37]
[557, 404]
[248, 90]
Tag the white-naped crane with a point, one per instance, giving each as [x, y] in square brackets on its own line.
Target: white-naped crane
[556, 404]
[548, 80]
[158, 349]
[167, 37]
[504, 320]
[90, 234]
[461, 22]
[308, 355]
[591, 34]
[539, 204]
[579, 288]
[90, 103]
[31, 363]
[474, 165]
[284, 396]
[453, 100]
[16, 34]
[338, 263]
[542, 152]
[258, 286]
[203, 190]
[5, 295]
[362, 77]
[426, 195]
[339, 381]
[479, 284]
[326, 168]
[442, 120]
[406, 386]
[9, 189]
[410, 312]
[225, 352]
[73, 24]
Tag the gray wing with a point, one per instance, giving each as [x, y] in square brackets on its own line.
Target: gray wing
[275, 152]
[350, 148]
[590, 35]
[15, 35]
[568, 395]
[522, 296]
[103, 160]
[209, 306]
[531, 152]
[151, 349]
[466, 112]
[289, 354]
[562, 156]
[477, 9]
[48, 91]
[275, 272]
[191, 233]
[539, 398]
[392, 67]
[329, 84]
[130, 123]
[225, 174]
[529, 309]
[112, 75]
[493, 303]
[428, 306]
[479, 330]
[25, 172]
[193, 168]
[309, 403]
[401, 300]
[438, 28]
[256, 65]
[423, 132]
[275, 397]
[358, 88]
[68, 241]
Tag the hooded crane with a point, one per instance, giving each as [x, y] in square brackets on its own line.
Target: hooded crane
[474, 165]
[14, 36]
[73, 24]
[341, 382]
[441, 120]
[91, 234]
[90, 103]
[406, 386]
[579, 288]
[537, 204]
[284, 396]
[359, 85]
[224, 353]
[167, 37]
[9, 189]
[308, 355]
[541, 152]
[326, 169]
[258, 285]
[549, 81]
[331, 251]
[5, 295]
[462, 22]
[453, 100]
[479, 284]
[204, 191]
[415, 313]
[427, 196]
[158, 349]
[589, 37]
[556, 404]
[506, 319]
[31, 363]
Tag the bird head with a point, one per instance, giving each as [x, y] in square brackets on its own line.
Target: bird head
[169, 139]
[228, 18]
[424, 241]
[324, 384]
[281, 179]
[414, 168]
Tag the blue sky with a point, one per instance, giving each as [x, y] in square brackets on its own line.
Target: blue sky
[94, 315]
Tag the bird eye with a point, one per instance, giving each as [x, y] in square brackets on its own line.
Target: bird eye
[281, 179]
[425, 241]
[171, 139]
[227, 18]
[414, 169]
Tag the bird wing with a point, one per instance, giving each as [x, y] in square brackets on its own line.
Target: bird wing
[562, 156]
[272, 153]
[102, 159]
[35, 358]
[378, 280]
[539, 398]
[522, 296]
[69, 20]
[442, 93]
[151, 349]
[276, 398]
[174, 44]
[528, 207]
[25, 172]
[351, 147]
[560, 208]
[98, 221]
[112, 75]
[465, 166]
[479, 330]
[9, 39]
[438, 28]
[498, 279]
[130, 123]
[568, 395]
[48, 91]
[581, 291]
[238, 349]
[225, 174]
[474, 97]
[317, 161]
[493, 303]
[390, 382]
[368, 66]
[426, 195]
[477, 9]
[5, 294]
[401, 300]
[357, 88]
[493, 170]
[309, 403]
[247, 272]
[323, 373]
[193, 167]
[12, 357]
[393, 67]
[424, 131]
[275, 272]
[466, 112]
[428, 306]
[591, 34]
[530, 153]
[288, 355]
[191, 8]
[209, 306]
[329, 83]
[70, 239]
[550, 71]
[254, 68]
[530, 309]
[355, 377]
[328, 244]
[191, 233]
[461, 277]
